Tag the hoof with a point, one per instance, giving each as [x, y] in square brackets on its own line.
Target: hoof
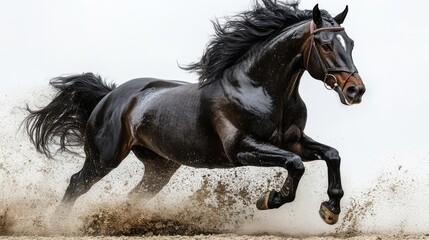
[270, 200]
[327, 214]
[263, 200]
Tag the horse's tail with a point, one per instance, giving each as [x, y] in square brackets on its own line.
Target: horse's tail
[63, 120]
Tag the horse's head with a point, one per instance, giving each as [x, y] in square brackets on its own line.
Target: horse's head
[328, 57]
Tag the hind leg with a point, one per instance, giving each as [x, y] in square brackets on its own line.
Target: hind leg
[158, 172]
[81, 182]
[103, 153]
[94, 169]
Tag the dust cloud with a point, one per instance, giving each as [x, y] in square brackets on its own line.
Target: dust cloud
[390, 198]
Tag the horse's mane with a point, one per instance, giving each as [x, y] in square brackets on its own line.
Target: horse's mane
[240, 33]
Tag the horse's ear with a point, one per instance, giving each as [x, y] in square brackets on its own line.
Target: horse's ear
[317, 16]
[340, 17]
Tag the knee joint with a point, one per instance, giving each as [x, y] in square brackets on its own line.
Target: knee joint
[295, 163]
[246, 158]
[333, 155]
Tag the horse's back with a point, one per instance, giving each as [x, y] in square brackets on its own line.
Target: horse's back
[141, 84]
[113, 111]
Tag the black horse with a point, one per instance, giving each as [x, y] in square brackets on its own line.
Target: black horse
[245, 111]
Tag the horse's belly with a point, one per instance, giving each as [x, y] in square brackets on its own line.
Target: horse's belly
[173, 123]
[192, 151]
[177, 132]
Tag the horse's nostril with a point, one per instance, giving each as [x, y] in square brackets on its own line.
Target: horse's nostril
[352, 91]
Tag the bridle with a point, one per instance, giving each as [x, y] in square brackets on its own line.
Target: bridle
[328, 70]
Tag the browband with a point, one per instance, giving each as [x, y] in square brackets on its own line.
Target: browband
[313, 29]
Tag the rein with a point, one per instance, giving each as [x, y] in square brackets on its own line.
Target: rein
[326, 69]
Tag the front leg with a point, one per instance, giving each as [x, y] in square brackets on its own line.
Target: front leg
[312, 150]
[255, 153]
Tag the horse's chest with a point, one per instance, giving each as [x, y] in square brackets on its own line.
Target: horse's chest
[286, 137]
[292, 123]
[291, 135]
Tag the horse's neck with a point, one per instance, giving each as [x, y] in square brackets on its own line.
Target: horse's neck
[278, 65]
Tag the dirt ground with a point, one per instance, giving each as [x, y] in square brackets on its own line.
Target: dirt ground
[219, 237]
[120, 223]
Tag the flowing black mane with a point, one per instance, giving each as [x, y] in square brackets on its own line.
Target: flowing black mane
[239, 34]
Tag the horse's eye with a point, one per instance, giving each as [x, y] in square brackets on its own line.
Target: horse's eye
[352, 44]
[327, 47]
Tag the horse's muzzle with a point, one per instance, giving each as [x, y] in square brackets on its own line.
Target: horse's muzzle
[354, 93]
[350, 87]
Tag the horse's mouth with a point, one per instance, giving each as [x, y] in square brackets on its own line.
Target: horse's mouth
[347, 98]
[349, 86]
[350, 89]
